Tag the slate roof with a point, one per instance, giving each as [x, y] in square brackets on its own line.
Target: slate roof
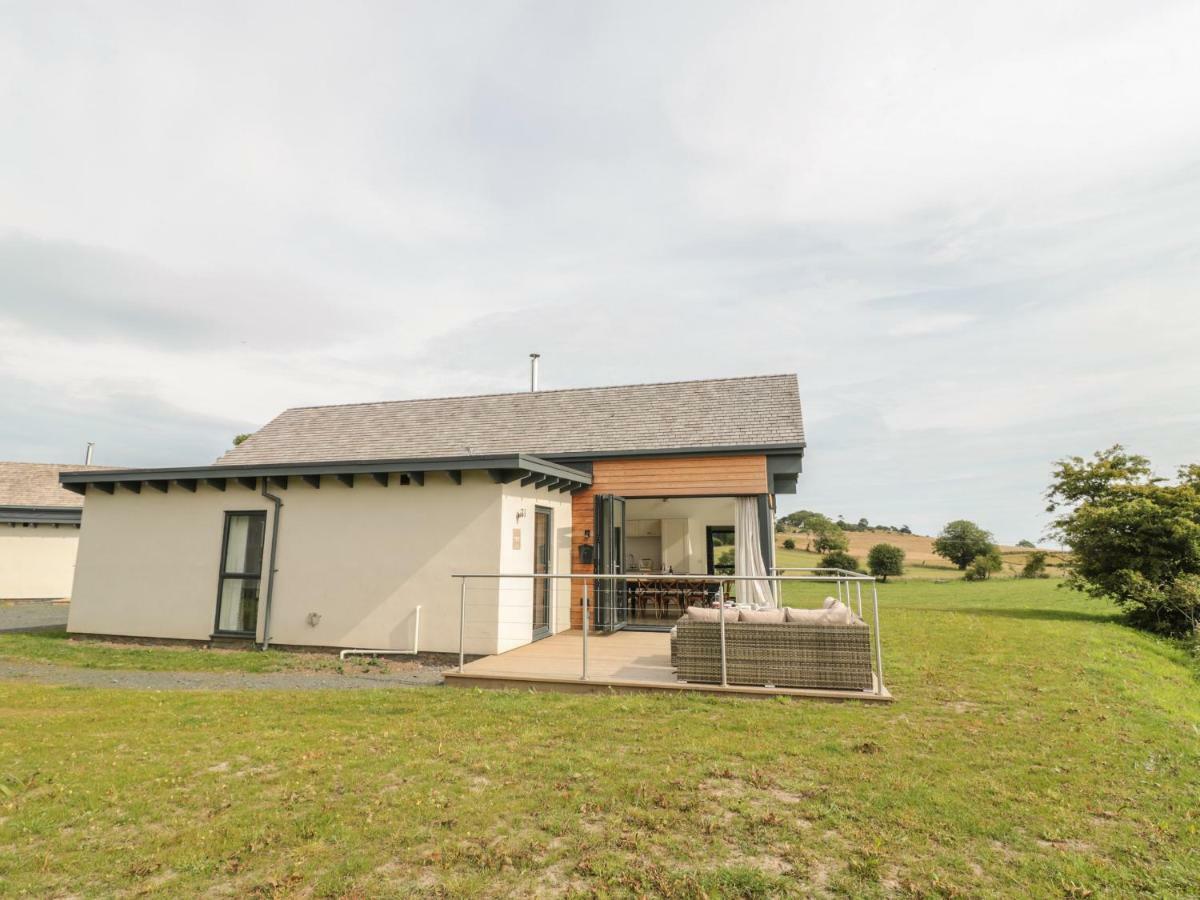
[36, 485]
[759, 412]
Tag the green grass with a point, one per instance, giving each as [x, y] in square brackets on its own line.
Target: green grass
[1037, 747]
[55, 647]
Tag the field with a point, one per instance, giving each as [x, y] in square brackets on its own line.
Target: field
[1037, 747]
[920, 562]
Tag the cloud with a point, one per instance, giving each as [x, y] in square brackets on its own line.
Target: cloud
[970, 230]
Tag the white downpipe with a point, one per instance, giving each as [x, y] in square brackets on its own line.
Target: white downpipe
[412, 652]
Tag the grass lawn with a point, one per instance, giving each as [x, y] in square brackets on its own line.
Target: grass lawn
[1037, 747]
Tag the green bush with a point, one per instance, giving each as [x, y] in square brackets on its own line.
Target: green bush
[1035, 565]
[982, 566]
[789, 544]
[839, 559]
[885, 560]
[1134, 537]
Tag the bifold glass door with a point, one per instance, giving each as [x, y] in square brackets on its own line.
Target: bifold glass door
[612, 610]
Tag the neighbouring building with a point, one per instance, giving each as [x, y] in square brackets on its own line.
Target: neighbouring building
[331, 525]
[39, 532]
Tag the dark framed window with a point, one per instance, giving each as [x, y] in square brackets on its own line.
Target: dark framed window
[720, 549]
[241, 573]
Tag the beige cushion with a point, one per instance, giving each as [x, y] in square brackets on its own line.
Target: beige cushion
[829, 601]
[837, 614]
[703, 614]
[805, 616]
[762, 616]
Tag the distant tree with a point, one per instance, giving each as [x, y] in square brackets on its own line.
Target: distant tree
[885, 560]
[962, 541]
[984, 565]
[1134, 537]
[829, 540]
[904, 529]
[839, 559]
[789, 544]
[239, 438]
[1035, 565]
[1028, 544]
[863, 525]
[780, 526]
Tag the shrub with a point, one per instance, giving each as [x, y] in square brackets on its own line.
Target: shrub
[982, 566]
[839, 559]
[1134, 537]
[885, 560]
[962, 541]
[789, 544]
[1035, 565]
[830, 541]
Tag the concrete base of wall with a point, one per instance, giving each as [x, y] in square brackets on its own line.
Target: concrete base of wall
[249, 646]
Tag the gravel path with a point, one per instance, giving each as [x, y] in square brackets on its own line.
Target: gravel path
[32, 615]
[213, 681]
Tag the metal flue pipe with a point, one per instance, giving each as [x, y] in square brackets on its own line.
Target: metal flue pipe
[533, 371]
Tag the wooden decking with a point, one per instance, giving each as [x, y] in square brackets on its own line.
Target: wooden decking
[637, 661]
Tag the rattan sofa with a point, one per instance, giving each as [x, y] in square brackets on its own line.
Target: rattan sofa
[787, 654]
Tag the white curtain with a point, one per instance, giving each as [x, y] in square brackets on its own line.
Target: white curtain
[747, 554]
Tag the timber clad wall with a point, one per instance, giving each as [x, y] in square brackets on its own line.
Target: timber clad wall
[680, 476]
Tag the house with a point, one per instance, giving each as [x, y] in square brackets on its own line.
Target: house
[39, 532]
[331, 525]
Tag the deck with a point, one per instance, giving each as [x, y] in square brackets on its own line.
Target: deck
[627, 661]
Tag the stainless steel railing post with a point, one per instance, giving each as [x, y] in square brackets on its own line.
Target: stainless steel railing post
[721, 617]
[878, 641]
[462, 622]
[584, 677]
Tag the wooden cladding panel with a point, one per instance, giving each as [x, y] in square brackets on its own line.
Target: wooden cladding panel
[715, 476]
[688, 476]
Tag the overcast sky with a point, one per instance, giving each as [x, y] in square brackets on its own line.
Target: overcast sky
[973, 232]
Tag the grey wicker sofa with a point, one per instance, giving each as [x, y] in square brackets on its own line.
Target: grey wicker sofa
[787, 654]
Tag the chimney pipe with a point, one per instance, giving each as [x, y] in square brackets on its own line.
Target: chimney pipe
[533, 371]
[87, 456]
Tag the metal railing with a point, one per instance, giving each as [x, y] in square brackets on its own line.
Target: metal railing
[848, 587]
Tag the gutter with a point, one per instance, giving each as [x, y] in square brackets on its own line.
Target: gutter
[266, 641]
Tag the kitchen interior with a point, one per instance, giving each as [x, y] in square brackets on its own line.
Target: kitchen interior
[671, 536]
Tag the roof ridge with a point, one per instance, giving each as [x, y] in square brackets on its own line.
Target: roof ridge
[604, 387]
[17, 462]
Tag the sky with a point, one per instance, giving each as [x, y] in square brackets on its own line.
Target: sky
[972, 230]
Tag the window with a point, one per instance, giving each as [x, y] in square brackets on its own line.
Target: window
[720, 549]
[241, 572]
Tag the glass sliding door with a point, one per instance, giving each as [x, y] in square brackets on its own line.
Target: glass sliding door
[543, 532]
[241, 573]
[612, 608]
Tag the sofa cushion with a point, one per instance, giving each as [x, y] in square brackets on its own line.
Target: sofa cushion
[762, 616]
[703, 614]
[837, 614]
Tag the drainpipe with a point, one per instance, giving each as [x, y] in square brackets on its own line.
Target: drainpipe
[266, 641]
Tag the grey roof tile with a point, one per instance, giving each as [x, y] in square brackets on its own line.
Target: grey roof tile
[36, 484]
[758, 411]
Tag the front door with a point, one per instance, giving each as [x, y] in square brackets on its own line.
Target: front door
[612, 610]
[542, 538]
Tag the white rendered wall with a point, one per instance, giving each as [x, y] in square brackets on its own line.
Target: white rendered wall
[37, 562]
[361, 558]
